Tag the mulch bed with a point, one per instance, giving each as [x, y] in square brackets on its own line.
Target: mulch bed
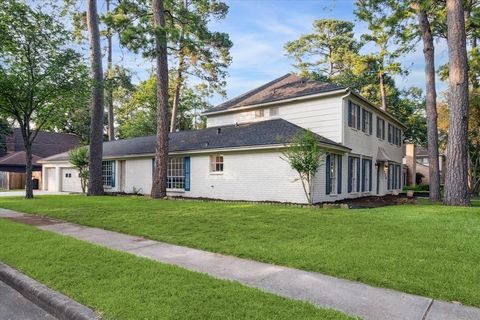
[376, 201]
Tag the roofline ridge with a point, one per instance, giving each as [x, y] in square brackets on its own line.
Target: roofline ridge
[247, 94]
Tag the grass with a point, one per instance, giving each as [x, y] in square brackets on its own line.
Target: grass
[427, 249]
[122, 286]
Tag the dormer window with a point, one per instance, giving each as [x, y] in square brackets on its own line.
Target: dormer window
[259, 114]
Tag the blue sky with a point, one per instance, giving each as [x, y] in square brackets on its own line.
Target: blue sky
[260, 28]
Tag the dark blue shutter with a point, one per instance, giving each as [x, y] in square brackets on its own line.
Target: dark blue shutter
[370, 175]
[363, 175]
[339, 180]
[349, 113]
[113, 173]
[350, 174]
[364, 118]
[187, 173]
[358, 174]
[359, 117]
[327, 174]
[153, 168]
[371, 122]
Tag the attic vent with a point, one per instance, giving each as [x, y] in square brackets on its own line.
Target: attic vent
[219, 130]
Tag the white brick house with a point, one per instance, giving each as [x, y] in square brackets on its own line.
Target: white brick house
[238, 155]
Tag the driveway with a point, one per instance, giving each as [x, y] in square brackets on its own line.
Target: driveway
[21, 193]
[14, 306]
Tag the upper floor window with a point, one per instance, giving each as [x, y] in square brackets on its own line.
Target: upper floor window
[216, 163]
[380, 128]
[259, 114]
[354, 115]
[390, 133]
[108, 174]
[394, 135]
[366, 121]
[274, 112]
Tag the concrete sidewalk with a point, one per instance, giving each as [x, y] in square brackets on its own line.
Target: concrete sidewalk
[324, 291]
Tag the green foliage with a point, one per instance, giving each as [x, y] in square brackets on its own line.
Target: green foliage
[5, 130]
[205, 53]
[40, 77]
[79, 159]
[329, 51]
[417, 188]
[304, 156]
[136, 116]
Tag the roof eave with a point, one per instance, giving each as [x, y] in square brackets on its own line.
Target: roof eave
[385, 113]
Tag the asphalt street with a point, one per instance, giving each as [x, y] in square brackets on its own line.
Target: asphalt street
[14, 306]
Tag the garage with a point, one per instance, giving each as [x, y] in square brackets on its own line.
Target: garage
[70, 180]
[51, 179]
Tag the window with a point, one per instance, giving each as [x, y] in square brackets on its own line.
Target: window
[216, 163]
[108, 173]
[176, 173]
[394, 176]
[366, 175]
[354, 115]
[380, 128]
[423, 160]
[353, 174]
[259, 114]
[274, 112]
[68, 175]
[366, 121]
[333, 174]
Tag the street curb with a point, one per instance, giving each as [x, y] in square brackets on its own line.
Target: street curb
[57, 304]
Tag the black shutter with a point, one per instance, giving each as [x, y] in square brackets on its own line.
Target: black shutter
[339, 180]
[358, 174]
[350, 174]
[327, 174]
[359, 117]
[363, 175]
[370, 117]
[370, 175]
[349, 113]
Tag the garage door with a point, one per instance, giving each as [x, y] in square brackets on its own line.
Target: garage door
[51, 179]
[70, 180]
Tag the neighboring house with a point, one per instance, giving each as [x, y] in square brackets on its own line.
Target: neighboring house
[13, 159]
[239, 155]
[416, 165]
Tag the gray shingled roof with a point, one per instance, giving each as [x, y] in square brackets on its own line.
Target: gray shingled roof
[269, 132]
[286, 87]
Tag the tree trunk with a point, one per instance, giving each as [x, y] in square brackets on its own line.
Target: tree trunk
[382, 91]
[159, 186]
[456, 184]
[111, 119]
[431, 101]
[176, 97]
[95, 183]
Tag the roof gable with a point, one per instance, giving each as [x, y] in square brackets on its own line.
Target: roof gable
[286, 87]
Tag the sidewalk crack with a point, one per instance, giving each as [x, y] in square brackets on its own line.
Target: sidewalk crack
[428, 309]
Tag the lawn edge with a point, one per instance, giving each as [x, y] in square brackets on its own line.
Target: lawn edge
[55, 303]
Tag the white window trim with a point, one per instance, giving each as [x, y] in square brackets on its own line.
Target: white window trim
[213, 163]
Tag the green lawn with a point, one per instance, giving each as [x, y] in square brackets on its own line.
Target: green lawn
[122, 286]
[428, 250]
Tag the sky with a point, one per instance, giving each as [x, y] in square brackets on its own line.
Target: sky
[260, 28]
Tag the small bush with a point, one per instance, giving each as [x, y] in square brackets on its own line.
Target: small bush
[417, 188]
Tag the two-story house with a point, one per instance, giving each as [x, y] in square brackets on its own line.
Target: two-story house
[239, 156]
